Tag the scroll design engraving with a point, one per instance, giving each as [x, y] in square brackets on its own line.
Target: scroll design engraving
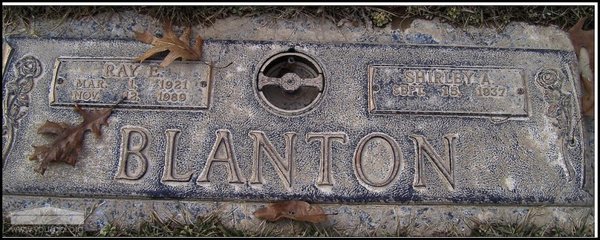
[16, 101]
[560, 108]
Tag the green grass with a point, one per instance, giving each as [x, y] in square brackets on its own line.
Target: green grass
[498, 16]
[461, 16]
[525, 228]
[212, 226]
[205, 226]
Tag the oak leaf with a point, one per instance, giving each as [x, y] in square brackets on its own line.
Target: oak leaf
[587, 100]
[585, 39]
[69, 139]
[295, 210]
[177, 47]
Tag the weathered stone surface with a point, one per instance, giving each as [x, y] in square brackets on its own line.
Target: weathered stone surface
[447, 141]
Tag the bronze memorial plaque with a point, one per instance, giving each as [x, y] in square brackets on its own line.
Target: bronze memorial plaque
[267, 121]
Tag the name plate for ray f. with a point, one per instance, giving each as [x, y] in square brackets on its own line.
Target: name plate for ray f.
[101, 82]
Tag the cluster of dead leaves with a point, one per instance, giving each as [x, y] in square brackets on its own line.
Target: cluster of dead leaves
[294, 210]
[585, 39]
[69, 139]
[177, 47]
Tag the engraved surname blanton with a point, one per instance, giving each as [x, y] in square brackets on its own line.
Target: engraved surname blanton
[101, 82]
[372, 146]
[443, 90]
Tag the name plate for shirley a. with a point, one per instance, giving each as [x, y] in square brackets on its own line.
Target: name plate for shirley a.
[321, 122]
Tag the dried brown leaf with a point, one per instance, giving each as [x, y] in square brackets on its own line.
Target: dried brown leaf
[67, 146]
[294, 210]
[585, 39]
[52, 128]
[177, 47]
[587, 100]
[581, 38]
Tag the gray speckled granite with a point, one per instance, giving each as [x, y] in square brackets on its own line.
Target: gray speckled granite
[351, 220]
